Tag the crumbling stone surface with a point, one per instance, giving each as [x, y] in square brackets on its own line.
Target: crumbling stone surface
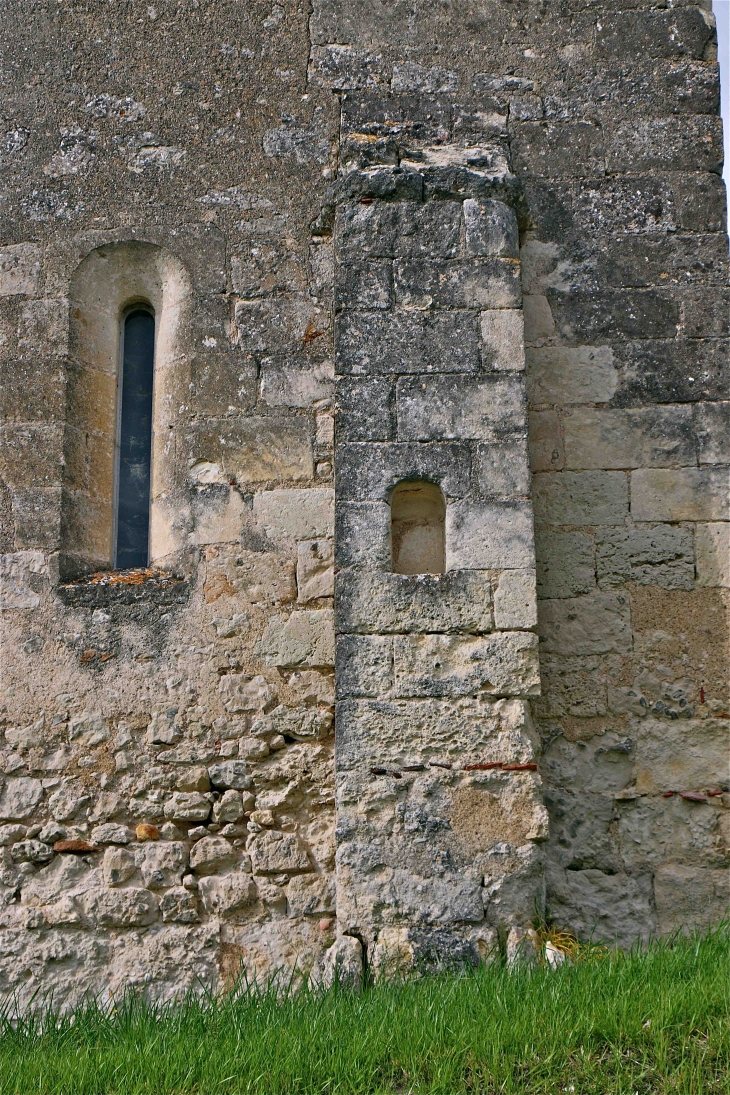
[448, 243]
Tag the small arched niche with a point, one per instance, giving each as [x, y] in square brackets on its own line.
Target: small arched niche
[111, 291]
[418, 528]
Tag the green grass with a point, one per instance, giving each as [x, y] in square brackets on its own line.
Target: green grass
[613, 1023]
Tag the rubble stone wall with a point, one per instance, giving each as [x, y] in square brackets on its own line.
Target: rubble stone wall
[412, 199]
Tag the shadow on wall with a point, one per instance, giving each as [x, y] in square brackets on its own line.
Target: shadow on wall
[109, 281]
[418, 528]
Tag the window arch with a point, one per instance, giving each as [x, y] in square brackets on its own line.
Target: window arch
[418, 528]
[133, 447]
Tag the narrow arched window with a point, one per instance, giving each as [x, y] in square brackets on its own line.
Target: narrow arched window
[418, 528]
[134, 438]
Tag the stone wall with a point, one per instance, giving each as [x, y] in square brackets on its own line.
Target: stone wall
[388, 193]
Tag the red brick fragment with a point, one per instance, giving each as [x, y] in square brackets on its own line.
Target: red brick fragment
[77, 846]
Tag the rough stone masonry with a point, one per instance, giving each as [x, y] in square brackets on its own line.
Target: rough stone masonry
[473, 246]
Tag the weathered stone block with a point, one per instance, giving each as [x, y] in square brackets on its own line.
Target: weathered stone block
[230, 774]
[581, 498]
[480, 283]
[428, 231]
[281, 326]
[364, 665]
[682, 754]
[712, 545]
[383, 603]
[366, 231]
[610, 908]
[515, 600]
[367, 472]
[690, 898]
[547, 450]
[712, 423]
[502, 470]
[299, 723]
[129, 908]
[311, 895]
[20, 268]
[255, 450]
[407, 342]
[665, 144]
[179, 906]
[503, 339]
[564, 374]
[362, 535]
[449, 665]
[652, 437]
[484, 535]
[680, 494]
[295, 514]
[491, 229]
[273, 852]
[212, 854]
[598, 623]
[187, 806]
[163, 864]
[437, 408]
[227, 895]
[660, 555]
[562, 149]
[296, 381]
[364, 285]
[315, 570]
[19, 797]
[365, 409]
[303, 639]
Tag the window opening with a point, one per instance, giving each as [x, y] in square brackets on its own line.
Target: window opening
[418, 528]
[134, 439]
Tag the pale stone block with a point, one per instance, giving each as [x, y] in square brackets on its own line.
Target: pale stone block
[306, 638]
[383, 603]
[445, 407]
[272, 852]
[599, 623]
[564, 375]
[132, 907]
[218, 515]
[547, 452]
[19, 798]
[503, 339]
[565, 564]
[212, 854]
[690, 898]
[682, 754]
[364, 665]
[451, 665]
[656, 555]
[680, 494]
[489, 536]
[228, 894]
[163, 863]
[712, 546]
[16, 568]
[187, 806]
[296, 382]
[712, 422]
[502, 470]
[296, 514]
[581, 498]
[20, 267]
[642, 437]
[515, 600]
[539, 322]
[315, 570]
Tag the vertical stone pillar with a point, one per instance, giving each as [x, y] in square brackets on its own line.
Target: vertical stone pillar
[438, 801]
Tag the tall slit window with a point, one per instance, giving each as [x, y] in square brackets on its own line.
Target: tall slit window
[417, 530]
[134, 439]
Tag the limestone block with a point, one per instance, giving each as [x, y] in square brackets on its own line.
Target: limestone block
[31, 851]
[503, 339]
[409, 76]
[690, 898]
[539, 322]
[273, 852]
[438, 408]
[187, 806]
[187, 753]
[295, 514]
[597, 623]
[241, 695]
[179, 906]
[230, 774]
[582, 498]
[163, 864]
[382, 603]
[305, 638]
[278, 326]
[19, 797]
[255, 450]
[229, 808]
[311, 895]
[315, 570]
[581, 830]
[300, 723]
[641, 437]
[24, 738]
[20, 268]
[712, 544]
[565, 374]
[366, 284]
[117, 867]
[296, 381]
[227, 895]
[127, 908]
[660, 555]
[111, 834]
[573, 686]
[502, 470]
[680, 494]
[515, 600]
[368, 472]
[682, 754]
[341, 965]
[66, 874]
[606, 763]
[482, 283]
[365, 408]
[608, 908]
[218, 512]
[212, 854]
[446, 665]
[491, 229]
[429, 230]
[20, 572]
[405, 341]
[565, 564]
[655, 830]
[362, 535]
[9, 834]
[712, 423]
[547, 451]
[364, 665]
[88, 729]
[489, 535]
[370, 230]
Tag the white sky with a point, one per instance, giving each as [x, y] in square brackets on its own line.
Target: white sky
[721, 9]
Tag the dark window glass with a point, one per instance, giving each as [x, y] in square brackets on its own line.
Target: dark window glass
[135, 440]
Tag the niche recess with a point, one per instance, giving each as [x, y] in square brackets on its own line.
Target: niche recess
[418, 528]
[112, 282]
